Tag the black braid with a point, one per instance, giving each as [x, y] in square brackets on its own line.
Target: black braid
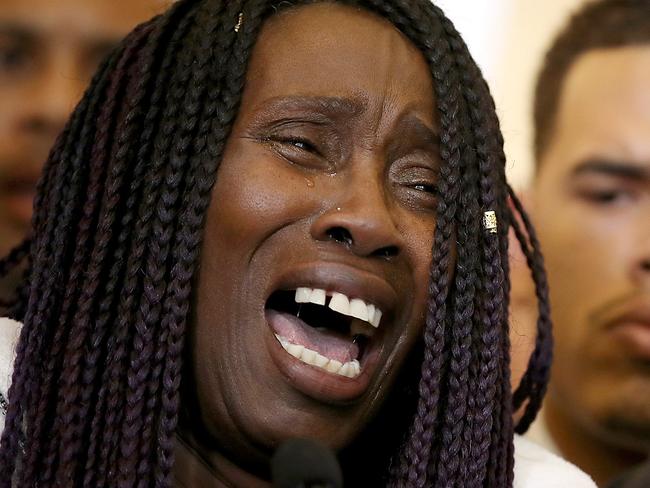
[68, 413]
[52, 249]
[8, 264]
[15, 257]
[84, 353]
[533, 384]
[492, 302]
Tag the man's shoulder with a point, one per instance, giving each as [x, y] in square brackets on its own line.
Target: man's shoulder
[536, 467]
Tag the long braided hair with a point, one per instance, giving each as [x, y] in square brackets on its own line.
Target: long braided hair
[117, 229]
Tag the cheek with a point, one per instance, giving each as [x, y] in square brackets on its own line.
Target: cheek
[11, 111]
[420, 246]
[569, 288]
[581, 241]
[255, 195]
[585, 259]
[583, 250]
[243, 204]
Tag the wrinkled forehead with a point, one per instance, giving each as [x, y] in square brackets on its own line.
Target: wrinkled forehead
[332, 49]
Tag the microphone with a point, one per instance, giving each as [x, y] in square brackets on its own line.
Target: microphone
[304, 463]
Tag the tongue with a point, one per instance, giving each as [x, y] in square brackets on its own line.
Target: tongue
[326, 343]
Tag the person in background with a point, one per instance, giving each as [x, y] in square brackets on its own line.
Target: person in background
[48, 52]
[590, 202]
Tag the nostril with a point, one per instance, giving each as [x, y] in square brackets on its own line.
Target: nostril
[386, 252]
[340, 235]
[646, 265]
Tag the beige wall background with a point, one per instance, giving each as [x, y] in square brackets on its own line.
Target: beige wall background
[508, 39]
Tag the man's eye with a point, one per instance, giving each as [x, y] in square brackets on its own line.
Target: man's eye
[13, 58]
[608, 197]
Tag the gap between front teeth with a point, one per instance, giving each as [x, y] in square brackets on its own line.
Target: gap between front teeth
[351, 369]
[342, 304]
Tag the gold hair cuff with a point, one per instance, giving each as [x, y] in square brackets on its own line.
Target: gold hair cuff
[490, 221]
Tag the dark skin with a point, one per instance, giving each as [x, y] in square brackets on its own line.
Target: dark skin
[336, 130]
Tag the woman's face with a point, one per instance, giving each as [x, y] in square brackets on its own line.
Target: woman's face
[324, 195]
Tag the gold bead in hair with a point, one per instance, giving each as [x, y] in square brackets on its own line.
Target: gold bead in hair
[490, 221]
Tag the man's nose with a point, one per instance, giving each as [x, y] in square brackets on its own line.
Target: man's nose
[642, 260]
[361, 218]
[643, 268]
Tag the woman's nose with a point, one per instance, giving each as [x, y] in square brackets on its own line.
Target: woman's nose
[361, 220]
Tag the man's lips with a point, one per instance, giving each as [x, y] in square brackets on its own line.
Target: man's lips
[17, 192]
[17, 203]
[19, 174]
[631, 328]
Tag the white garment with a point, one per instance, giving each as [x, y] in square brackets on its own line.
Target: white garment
[538, 433]
[9, 332]
[535, 467]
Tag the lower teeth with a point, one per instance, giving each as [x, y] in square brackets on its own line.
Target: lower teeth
[351, 369]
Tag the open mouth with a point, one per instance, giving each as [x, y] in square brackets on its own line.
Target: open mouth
[325, 329]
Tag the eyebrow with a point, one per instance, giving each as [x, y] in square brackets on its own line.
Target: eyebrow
[619, 169]
[344, 106]
[11, 29]
[331, 105]
[31, 33]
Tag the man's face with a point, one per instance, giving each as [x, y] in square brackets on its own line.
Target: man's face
[49, 50]
[591, 204]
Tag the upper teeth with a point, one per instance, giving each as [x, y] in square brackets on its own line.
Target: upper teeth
[354, 307]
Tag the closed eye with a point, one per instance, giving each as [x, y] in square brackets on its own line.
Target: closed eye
[298, 143]
[425, 187]
[301, 151]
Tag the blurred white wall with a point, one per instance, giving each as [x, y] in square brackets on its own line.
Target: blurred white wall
[508, 38]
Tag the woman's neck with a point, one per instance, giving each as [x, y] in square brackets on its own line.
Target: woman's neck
[195, 468]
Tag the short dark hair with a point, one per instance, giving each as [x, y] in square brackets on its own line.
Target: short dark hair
[598, 25]
[116, 238]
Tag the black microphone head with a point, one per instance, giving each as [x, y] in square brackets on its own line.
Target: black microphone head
[304, 463]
